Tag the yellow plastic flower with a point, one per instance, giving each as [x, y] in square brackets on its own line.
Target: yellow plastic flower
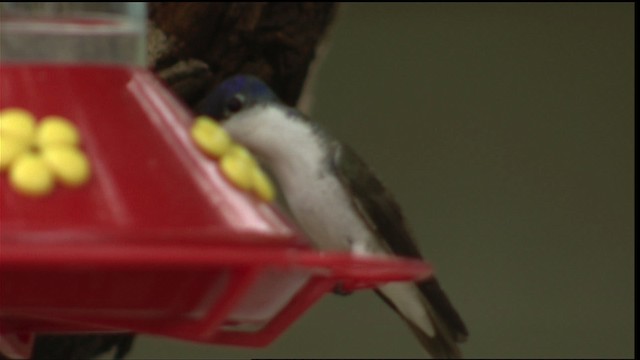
[262, 185]
[37, 155]
[236, 162]
[210, 137]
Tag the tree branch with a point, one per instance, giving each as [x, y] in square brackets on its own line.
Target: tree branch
[194, 46]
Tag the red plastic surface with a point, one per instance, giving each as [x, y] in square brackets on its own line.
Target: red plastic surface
[157, 241]
[149, 183]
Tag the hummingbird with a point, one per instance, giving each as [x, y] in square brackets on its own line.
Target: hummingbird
[336, 200]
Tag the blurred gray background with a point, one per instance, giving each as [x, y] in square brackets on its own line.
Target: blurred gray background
[507, 133]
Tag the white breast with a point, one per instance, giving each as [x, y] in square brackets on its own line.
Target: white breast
[297, 157]
[324, 211]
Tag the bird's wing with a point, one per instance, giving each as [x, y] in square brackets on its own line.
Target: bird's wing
[373, 201]
[383, 215]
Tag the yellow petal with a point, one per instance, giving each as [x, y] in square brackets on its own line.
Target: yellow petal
[210, 137]
[30, 175]
[68, 163]
[262, 185]
[17, 123]
[10, 148]
[242, 152]
[238, 170]
[56, 130]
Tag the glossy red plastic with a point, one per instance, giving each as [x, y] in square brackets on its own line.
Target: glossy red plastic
[158, 241]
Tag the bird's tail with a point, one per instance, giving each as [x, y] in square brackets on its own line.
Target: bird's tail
[429, 314]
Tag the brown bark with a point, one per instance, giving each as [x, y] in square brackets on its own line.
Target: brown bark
[194, 45]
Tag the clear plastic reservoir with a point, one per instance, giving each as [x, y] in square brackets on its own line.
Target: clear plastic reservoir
[73, 32]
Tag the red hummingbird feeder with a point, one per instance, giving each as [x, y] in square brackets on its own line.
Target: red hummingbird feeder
[155, 240]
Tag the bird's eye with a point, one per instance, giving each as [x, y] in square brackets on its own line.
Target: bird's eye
[235, 104]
